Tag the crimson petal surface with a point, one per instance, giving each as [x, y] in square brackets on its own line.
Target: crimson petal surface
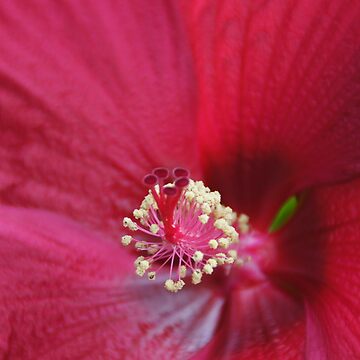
[93, 96]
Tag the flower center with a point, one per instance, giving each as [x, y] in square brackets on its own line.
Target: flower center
[182, 226]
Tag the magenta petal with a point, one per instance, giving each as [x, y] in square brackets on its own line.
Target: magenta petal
[67, 293]
[279, 96]
[93, 96]
[319, 255]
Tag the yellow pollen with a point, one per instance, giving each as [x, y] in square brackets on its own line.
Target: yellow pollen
[196, 277]
[174, 286]
[148, 202]
[203, 218]
[127, 222]
[212, 263]
[141, 266]
[154, 228]
[243, 224]
[198, 256]
[138, 261]
[189, 195]
[213, 244]
[229, 260]
[220, 258]
[208, 269]
[206, 209]
[141, 245]
[126, 240]
[153, 249]
[140, 272]
[220, 224]
[139, 213]
[200, 199]
[232, 254]
[182, 271]
[170, 285]
[224, 242]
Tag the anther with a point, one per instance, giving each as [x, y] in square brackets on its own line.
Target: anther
[198, 256]
[196, 277]
[126, 240]
[208, 269]
[213, 244]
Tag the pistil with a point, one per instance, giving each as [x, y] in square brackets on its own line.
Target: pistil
[181, 226]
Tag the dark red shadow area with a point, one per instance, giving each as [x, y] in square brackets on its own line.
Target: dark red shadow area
[263, 315]
[256, 186]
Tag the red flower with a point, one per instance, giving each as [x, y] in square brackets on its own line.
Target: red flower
[258, 98]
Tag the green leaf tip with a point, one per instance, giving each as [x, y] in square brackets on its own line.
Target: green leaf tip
[285, 213]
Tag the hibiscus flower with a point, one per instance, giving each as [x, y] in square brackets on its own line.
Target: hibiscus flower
[259, 99]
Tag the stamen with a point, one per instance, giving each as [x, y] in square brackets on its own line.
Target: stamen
[178, 227]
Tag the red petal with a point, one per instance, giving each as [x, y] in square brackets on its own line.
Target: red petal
[309, 306]
[320, 256]
[92, 98]
[67, 294]
[258, 324]
[279, 96]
